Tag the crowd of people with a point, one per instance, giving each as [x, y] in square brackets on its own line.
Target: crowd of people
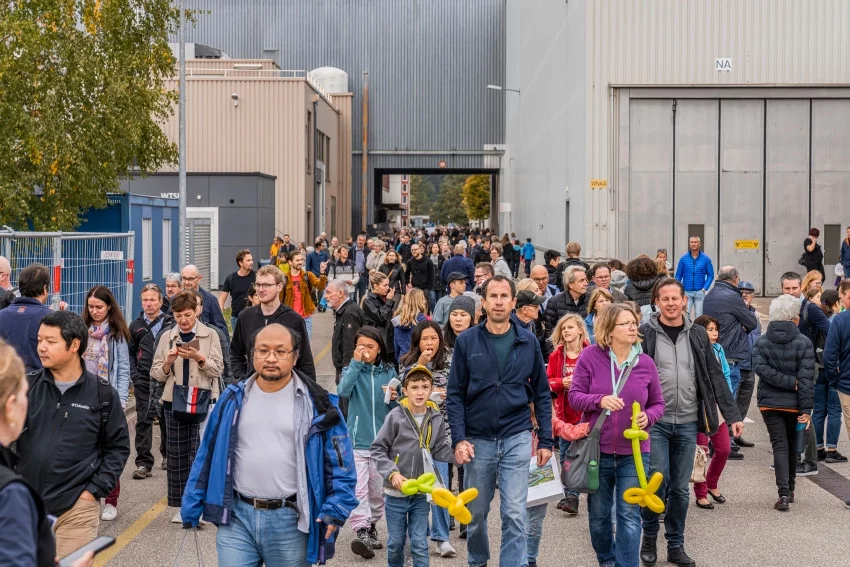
[447, 362]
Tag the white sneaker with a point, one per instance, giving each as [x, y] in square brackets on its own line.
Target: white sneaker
[109, 513]
[177, 519]
[445, 549]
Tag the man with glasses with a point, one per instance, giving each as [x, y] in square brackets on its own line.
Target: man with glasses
[483, 272]
[211, 315]
[279, 480]
[269, 283]
[601, 278]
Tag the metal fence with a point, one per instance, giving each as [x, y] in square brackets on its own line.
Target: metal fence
[77, 262]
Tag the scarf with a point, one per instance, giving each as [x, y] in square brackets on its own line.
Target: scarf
[97, 352]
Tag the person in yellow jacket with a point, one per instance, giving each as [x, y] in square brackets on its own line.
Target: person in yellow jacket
[299, 284]
[274, 248]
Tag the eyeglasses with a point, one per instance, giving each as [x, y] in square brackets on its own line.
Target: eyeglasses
[265, 285]
[629, 325]
[185, 279]
[264, 353]
[479, 276]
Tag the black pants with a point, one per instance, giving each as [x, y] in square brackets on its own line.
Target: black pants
[745, 392]
[145, 412]
[183, 441]
[782, 429]
[343, 402]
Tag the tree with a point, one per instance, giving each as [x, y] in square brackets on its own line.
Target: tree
[83, 98]
[448, 207]
[476, 197]
[422, 194]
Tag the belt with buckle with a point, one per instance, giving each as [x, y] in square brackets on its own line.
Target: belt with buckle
[268, 504]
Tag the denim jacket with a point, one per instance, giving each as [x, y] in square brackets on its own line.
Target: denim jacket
[119, 368]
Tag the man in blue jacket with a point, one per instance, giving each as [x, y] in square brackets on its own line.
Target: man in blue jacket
[696, 273]
[836, 354]
[275, 469]
[458, 263]
[497, 369]
[20, 321]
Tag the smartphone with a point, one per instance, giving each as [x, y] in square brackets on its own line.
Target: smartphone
[97, 545]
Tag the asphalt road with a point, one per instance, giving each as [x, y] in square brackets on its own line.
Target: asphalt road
[746, 531]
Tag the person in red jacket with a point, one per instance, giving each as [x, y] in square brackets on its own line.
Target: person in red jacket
[569, 338]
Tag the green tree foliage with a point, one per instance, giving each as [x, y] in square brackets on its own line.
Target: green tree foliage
[422, 194]
[476, 197]
[83, 96]
[448, 208]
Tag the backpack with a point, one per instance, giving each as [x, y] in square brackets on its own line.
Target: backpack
[820, 338]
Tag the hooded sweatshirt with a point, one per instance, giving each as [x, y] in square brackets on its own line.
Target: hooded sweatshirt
[592, 381]
[397, 448]
[362, 383]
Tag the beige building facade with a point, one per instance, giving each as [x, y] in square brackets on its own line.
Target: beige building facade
[249, 116]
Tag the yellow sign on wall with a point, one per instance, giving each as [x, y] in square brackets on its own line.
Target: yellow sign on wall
[746, 244]
[598, 183]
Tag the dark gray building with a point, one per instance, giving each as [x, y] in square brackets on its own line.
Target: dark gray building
[226, 212]
[429, 63]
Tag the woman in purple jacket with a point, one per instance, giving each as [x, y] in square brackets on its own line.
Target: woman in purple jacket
[596, 375]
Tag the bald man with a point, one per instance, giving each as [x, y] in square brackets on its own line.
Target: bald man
[7, 292]
[211, 315]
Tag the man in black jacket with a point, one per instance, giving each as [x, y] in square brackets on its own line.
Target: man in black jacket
[348, 318]
[212, 312]
[75, 443]
[142, 346]
[573, 300]
[269, 284]
[693, 386]
[420, 271]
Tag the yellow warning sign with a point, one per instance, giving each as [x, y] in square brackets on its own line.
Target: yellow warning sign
[598, 183]
[746, 244]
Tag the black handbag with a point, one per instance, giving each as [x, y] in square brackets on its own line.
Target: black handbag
[581, 461]
[190, 405]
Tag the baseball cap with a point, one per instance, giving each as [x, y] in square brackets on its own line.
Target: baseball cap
[524, 298]
[454, 276]
[746, 286]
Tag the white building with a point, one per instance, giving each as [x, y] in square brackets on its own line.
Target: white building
[641, 122]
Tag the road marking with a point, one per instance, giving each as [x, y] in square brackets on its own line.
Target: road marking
[131, 532]
[322, 353]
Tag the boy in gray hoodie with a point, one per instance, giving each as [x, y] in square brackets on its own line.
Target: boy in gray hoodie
[412, 433]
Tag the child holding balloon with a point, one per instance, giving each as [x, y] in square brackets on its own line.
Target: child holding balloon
[412, 437]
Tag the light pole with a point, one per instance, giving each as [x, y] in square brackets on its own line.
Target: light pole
[183, 240]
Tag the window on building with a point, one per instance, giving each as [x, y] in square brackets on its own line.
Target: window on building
[147, 249]
[308, 146]
[404, 199]
[320, 147]
[328, 161]
[166, 246]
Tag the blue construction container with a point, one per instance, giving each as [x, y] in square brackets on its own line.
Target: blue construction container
[155, 222]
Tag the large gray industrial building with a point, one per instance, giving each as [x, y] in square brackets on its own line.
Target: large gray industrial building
[636, 124]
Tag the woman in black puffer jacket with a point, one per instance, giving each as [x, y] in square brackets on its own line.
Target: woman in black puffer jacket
[642, 273]
[784, 361]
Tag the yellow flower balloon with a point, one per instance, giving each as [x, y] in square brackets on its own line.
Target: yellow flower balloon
[456, 505]
[424, 483]
[644, 496]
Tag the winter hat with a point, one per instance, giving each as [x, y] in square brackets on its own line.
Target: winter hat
[464, 303]
[618, 279]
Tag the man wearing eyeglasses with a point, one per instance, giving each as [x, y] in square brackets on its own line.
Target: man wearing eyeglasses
[268, 283]
[211, 315]
[279, 480]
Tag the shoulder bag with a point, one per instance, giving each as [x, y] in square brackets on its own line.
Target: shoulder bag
[700, 465]
[190, 405]
[581, 461]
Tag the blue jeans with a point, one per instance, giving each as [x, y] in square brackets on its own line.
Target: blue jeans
[309, 322]
[407, 517]
[505, 460]
[827, 409]
[253, 537]
[695, 299]
[735, 376]
[563, 446]
[432, 299]
[233, 324]
[534, 517]
[672, 448]
[362, 287]
[439, 515]
[616, 474]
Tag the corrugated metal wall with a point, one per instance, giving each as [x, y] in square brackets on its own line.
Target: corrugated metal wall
[428, 61]
[676, 42]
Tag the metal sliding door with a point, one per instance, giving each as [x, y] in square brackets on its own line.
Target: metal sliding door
[650, 199]
[830, 176]
[696, 199]
[742, 186]
[786, 188]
